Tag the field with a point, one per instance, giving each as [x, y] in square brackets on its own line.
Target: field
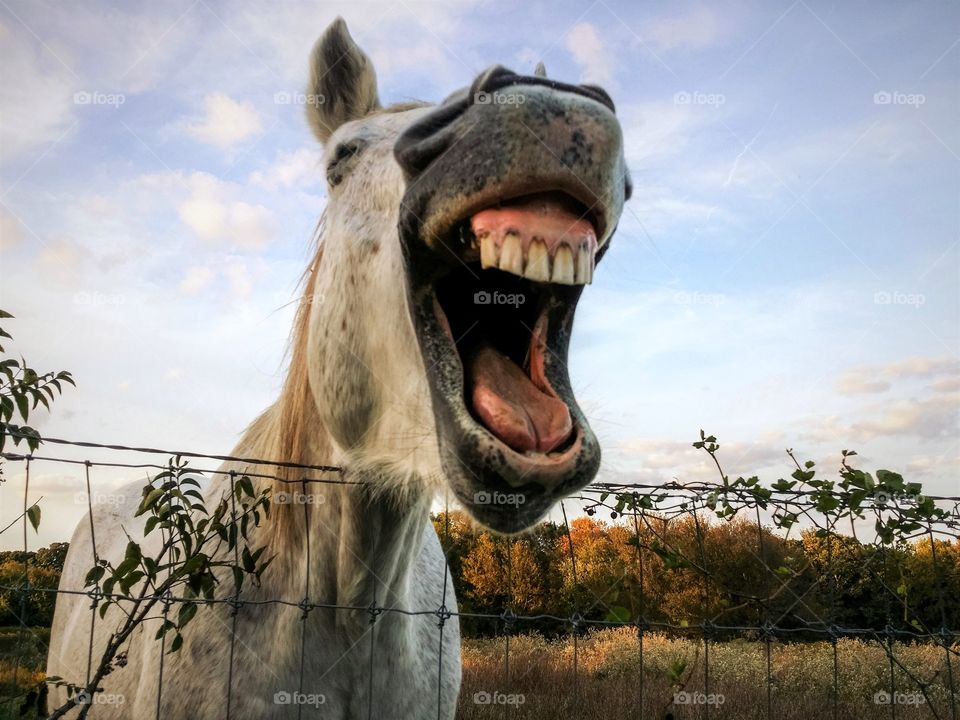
[542, 685]
[33, 659]
[608, 683]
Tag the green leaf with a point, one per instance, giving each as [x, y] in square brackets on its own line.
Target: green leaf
[22, 406]
[133, 552]
[125, 567]
[149, 500]
[93, 577]
[249, 564]
[33, 515]
[187, 611]
[130, 580]
[618, 614]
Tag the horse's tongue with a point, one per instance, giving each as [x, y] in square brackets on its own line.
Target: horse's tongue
[512, 407]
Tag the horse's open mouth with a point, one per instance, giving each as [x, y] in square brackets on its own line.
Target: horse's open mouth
[506, 211]
[495, 305]
[494, 302]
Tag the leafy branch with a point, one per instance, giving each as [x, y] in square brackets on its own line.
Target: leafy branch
[23, 390]
[196, 547]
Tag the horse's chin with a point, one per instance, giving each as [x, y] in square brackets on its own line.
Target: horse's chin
[494, 342]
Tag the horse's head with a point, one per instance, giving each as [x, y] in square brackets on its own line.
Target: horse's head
[457, 241]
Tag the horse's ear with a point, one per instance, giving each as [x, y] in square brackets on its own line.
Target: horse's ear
[343, 83]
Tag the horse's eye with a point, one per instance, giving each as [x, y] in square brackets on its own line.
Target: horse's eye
[342, 155]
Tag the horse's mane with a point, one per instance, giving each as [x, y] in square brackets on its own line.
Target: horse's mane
[280, 432]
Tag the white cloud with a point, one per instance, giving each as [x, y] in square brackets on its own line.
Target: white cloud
[226, 122]
[215, 217]
[947, 385]
[666, 458]
[36, 95]
[591, 53]
[855, 384]
[931, 418]
[195, 279]
[871, 379]
[238, 276]
[296, 170]
[10, 234]
[64, 261]
[928, 419]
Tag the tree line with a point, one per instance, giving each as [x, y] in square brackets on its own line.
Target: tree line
[687, 571]
[678, 573]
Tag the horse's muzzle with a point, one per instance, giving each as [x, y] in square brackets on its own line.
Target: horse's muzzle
[508, 136]
[514, 188]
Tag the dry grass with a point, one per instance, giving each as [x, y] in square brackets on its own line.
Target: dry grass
[613, 682]
[610, 670]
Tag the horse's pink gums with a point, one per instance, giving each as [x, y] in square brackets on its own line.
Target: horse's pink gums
[544, 217]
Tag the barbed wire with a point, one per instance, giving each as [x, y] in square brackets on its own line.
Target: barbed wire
[665, 504]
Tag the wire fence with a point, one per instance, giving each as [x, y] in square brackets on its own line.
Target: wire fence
[887, 512]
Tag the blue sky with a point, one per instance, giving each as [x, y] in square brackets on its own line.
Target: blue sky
[786, 274]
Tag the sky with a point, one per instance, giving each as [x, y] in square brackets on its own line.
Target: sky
[785, 275]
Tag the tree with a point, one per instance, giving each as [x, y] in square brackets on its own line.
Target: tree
[22, 390]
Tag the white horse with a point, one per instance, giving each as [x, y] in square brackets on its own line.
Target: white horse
[429, 355]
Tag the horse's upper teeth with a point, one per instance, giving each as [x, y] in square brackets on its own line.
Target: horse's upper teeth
[538, 262]
[563, 270]
[511, 254]
[584, 264]
[565, 267]
[489, 252]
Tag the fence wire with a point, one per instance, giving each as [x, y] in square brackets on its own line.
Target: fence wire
[651, 511]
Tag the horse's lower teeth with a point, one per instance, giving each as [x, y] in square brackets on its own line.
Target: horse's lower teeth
[566, 267]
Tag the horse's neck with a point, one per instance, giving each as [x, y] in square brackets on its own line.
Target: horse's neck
[351, 542]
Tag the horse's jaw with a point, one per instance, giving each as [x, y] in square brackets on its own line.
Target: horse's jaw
[500, 235]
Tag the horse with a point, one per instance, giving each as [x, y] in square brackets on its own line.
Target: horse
[428, 356]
